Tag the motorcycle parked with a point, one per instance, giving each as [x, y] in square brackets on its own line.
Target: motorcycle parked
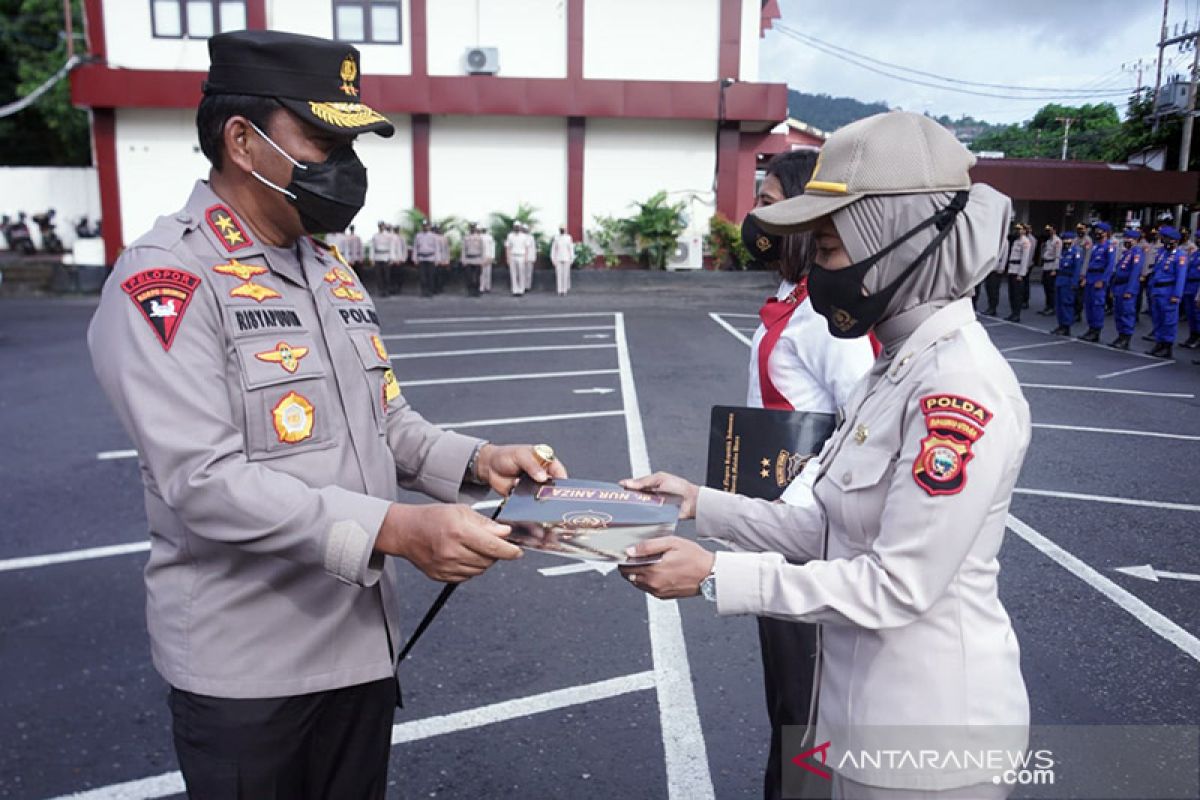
[85, 229]
[50, 241]
[16, 234]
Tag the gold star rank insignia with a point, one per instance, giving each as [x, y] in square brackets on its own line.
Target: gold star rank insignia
[764, 473]
[766, 462]
[285, 355]
[380, 350]
[239, 270]
[293, 418]
[254, 291]
[222, 222]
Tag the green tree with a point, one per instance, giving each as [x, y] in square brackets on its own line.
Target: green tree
[1095, 134]
[32, 48]
[655, 228]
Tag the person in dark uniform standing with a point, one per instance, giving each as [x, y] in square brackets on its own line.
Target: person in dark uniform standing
[1064, 287]
[1125, 284]
[245, 360]
[1095, 279]
[1166, 286]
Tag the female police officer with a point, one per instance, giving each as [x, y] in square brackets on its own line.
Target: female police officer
[901, 532]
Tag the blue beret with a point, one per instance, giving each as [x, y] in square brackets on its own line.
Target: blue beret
[1102, 226]
[1168, 232]
[1068, 235]
[1132, 233]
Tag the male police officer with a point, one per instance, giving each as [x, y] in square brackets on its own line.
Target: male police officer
[1125, 283]
[245, 361]
[1166, 291]
[1051, 253]
[562, 255]
[1095, 281]
[1191, 299]
[425, 253]
[472, 259]
[1064, 286]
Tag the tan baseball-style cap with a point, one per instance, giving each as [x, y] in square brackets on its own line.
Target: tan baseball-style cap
[897, 152]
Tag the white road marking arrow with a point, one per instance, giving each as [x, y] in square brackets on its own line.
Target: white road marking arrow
[1149, 573]
[595, 335]
[594, 390]
[603, 567]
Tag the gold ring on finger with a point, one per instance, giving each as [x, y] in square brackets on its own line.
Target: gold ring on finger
[544, 454]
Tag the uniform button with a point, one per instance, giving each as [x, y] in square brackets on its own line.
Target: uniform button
[846, 476]
[185, 219]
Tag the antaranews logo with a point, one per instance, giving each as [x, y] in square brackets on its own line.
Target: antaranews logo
[804, 758]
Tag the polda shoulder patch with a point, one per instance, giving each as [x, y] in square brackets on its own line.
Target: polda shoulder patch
[162, 295]
[953, 423]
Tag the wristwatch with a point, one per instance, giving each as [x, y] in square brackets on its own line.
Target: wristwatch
[472, 472]
[708, 586]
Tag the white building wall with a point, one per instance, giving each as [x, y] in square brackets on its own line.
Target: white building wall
[72, 192]
[129, 37]
[479, 165]
[531, 35]
[315, 18]
[627, 161]
[751, 25]
[389, 175]
[158, 161]
[659, 40]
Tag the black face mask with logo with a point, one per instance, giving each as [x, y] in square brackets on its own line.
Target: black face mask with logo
[838, 295]
[327, 195]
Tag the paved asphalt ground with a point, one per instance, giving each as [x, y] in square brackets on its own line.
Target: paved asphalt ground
[573, 685]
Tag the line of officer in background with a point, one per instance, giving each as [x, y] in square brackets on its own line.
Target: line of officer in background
[425, 253]
[473, 255]
[1011, 268]
[1066, 282]
[389, 251]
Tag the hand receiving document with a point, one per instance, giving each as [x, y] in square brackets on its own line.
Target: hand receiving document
[587, 520]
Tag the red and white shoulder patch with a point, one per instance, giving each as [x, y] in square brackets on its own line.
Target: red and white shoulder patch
[162, 295]
[954, 423]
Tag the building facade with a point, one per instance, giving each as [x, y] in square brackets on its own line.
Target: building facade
[592, 104]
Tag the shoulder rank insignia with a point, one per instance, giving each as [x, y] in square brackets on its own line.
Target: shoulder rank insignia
[239, 270]
[256, 292]
[391, 387]
[380, 350]
[227, 229]
[162, 295]
[954, 424]
[285, 355]
[293, 418]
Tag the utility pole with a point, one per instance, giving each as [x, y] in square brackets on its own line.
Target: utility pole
[1158, 75]
[1185, 141]
[1066, 121]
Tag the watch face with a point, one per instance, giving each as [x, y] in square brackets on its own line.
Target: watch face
[708, 588]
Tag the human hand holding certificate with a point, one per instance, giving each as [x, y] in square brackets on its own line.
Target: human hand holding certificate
[587, 520]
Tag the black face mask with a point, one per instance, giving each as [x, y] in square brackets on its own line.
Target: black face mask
[837, 294]
[328, 194]
[766, 248]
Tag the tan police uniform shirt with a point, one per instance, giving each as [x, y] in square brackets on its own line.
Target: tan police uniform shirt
[1051, 253]
[271, 434]
[900, 535]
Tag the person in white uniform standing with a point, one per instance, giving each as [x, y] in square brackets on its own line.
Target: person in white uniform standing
[514, 255]
[562, 255]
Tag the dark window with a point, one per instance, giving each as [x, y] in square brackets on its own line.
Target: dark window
[196, 19]
[367, 21]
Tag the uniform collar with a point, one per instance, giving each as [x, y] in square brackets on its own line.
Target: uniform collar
[221, 226]
[944, 322]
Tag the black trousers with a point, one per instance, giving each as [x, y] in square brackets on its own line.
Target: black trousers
[471, 279]
[992, 285]
[789, 656]
[1048, 279]
[325, 745]
[395, 277]
[428, 273]
[1016, 294]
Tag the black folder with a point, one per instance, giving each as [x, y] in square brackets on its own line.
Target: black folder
[758, 451]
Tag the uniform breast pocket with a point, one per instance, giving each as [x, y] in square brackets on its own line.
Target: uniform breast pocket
[858, 485]
[382, 386]
[287, 400]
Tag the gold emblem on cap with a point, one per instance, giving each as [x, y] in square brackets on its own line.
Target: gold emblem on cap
[762, 243]
[349, 72]
[544, 454]
[345, 115]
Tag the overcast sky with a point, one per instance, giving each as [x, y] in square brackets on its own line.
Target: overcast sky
[1043, 43]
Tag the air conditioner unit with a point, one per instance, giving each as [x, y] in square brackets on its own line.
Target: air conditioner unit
[689, 253]
[482, 60]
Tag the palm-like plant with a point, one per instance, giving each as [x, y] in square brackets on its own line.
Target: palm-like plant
[655, 229]
[501, 224]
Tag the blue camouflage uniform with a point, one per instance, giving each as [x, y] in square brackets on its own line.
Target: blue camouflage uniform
[1100, 267]
[1126, 280]
[1067, 281]
[1191, 288]
[1166, 284]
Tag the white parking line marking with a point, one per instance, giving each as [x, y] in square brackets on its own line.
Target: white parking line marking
[494, 350]
[517, 377]
[1084, 429]
[732, 330]
[1099, 498]
[1043, 332]
[1102, 389]
[1143, 613]
[29, 562]
[172, 782]
[483, 423]
[1038, 361]
[435, 321]
[87, 554]
[497, 332]
[596, 335]
[593, 390]
[1032, 346]
[689, 776]
[112, 455]
[731, 314]
[1135, 369]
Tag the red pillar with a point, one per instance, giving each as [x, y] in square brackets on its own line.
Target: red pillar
[420, 155]
[104, 153]
[256, 14]
[730, 54]
[728, 156]
[576, 134]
